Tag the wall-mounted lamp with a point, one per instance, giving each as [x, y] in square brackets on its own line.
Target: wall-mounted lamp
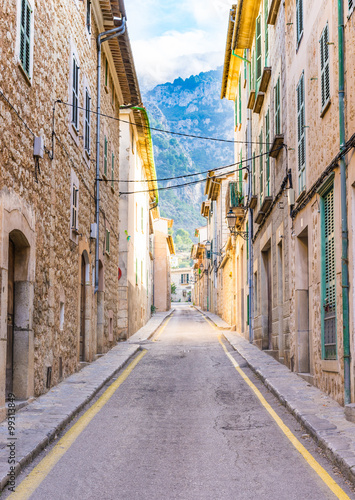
[231, 222]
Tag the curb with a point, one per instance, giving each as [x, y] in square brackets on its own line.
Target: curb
[329, 427]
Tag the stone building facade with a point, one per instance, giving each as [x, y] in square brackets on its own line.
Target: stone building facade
[52, 318]
[137, 208]
[182, 279]
[163, 249]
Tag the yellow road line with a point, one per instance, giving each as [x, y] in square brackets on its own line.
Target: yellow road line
[162, 328]
[39, 473]
[328, 480]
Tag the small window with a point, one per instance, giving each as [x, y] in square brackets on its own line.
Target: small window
[75, 199]
[105, 155]
[351, 6]
[25, 37]
[87, 122]
[88, 16]
[75, 94]
[277, 93]
[112, 169]
[266, 28]
[324, 67]
[299, 20]
[258, 54]
[107, 242]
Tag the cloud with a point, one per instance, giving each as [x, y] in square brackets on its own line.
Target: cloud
[172, 55]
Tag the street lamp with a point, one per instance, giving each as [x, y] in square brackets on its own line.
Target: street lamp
[231, 218]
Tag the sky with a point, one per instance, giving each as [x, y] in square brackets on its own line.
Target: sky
[179, 38]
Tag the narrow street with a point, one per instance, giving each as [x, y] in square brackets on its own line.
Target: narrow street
[183, 425]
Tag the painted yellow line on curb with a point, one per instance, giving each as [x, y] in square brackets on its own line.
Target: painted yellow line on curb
[34, 479]
[322, 473]
[162, 328]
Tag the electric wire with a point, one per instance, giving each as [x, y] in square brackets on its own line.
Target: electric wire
[230, 141]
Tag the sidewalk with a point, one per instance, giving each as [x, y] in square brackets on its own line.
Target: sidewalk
[38, 423]
[323, 417]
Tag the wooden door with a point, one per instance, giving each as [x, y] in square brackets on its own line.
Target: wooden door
[269, 298]
[82, 310]
[10, 319]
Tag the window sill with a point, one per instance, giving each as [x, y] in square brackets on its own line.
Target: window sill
[74, 132]
[87, 157]
[330, 365]
[325, 109]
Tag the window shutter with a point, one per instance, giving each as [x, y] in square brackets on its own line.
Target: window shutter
[301, 135]
[182, 279]
[324, 64]
[25, 36]
[299, 19]
[240, 177]
[105, 156]
[75, 208]
[261, 168]
[329, 278]
[258, 52]
[267, 140]
[87, 121]
[106, 72]
[240, 98]
[277, 108]
[266, 12]
[254, 175]
[88, 16]
[75, 93]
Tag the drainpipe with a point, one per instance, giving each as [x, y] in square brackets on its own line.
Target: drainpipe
[103, 37]
[344, 218]
[250, 216]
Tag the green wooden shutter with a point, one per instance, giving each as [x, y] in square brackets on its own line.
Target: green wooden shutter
[299, 20]
[87, 121]
[25, 36]
[236, 110]
[301, 137]
[75, 94]
[277, 107]
[240, 98]
[328, 278]
[267, 161]
[266, 28]
[252, 72]
[324, 66]
[254, 175]
[258, 55]
[247, 231]
[261, 168]
[105, 155]
[88, 16]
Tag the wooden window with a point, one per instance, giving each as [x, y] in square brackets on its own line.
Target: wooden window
[75, 94]
[329, 347]
[254, 175]
[258, 53]
[301, 137]
[74, 207]
[324, 67]
[240, 98]
[267, 158]
[266, 31]
[87, 122]
[112, 169]
[25, 37]
[105, 155]
[107, 242]
[299, 20]
[277, 94]
[261, 168]
[88, 16]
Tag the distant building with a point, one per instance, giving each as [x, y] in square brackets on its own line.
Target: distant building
[163, 249]
[183, 280]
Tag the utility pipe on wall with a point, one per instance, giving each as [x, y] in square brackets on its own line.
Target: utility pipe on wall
[344, 217]
[102, 37]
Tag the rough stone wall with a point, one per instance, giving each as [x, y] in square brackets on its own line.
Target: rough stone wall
[57, 28]
[322, 145]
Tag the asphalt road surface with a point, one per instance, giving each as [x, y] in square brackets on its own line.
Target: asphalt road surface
[185, 425]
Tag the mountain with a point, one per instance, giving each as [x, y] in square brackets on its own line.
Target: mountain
[192, 106]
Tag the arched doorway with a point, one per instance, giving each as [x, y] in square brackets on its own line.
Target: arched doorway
[82, 308]
[10, 320]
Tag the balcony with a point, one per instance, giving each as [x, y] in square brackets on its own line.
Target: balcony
[274, 8]
[251, 100]
[235, 202]
[263, 209]
[276, 146]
